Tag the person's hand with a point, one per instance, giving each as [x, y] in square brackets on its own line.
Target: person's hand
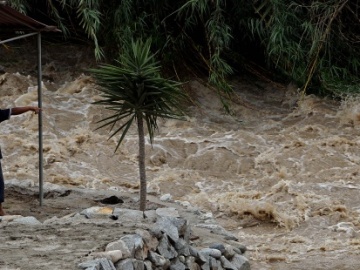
[36, 110]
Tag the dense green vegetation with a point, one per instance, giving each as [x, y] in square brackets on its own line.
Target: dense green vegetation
[313, 43]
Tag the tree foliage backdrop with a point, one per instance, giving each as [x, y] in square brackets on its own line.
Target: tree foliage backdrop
[313, 43]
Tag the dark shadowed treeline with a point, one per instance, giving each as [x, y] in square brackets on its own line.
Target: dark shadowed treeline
[315, 44]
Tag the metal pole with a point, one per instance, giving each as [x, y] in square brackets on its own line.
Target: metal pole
[41, 190]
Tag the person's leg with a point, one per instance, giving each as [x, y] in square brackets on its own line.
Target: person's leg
[2, 191]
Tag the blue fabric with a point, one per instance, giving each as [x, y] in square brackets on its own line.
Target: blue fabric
[2, 187]
[4, 115]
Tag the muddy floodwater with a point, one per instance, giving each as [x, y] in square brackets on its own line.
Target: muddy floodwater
[281, 173]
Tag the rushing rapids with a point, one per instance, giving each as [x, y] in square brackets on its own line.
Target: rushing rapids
[281, 172]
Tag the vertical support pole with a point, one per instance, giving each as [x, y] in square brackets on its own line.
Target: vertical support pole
[41, 183]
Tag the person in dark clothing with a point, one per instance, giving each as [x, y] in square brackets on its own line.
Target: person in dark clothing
[5, 115]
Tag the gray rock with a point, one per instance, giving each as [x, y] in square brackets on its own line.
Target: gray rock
[215, 264]
[132, 216]
[166, 249]
[193, 251]
[215, 253]
[150, 241]
[182, 259]
[167, 212]
[218, 246]
[182, 247]
[158, 260]
[182, 225]
[165, 246]
[89, 265]
[97, 212]
[112, 255]
[156, 232]
[219, 265]
[176, 264]
[119, 245]
[202, 258]
[191, 263]
[148, 265]
[206, 266]
[240, 262]
[167, 226]
[226, 264]
[231, 237]
[242, 249]
[229, 252]
[98, 264]
[135, 244]
[164, 198]
[139, 265]
[126, 264]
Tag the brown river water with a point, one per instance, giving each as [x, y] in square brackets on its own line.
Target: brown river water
[281, 173]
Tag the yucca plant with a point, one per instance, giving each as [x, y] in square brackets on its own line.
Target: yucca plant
[135, 91]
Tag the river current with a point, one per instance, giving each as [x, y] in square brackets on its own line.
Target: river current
[281, 173]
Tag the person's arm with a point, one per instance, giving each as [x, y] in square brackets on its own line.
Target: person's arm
[21, 110]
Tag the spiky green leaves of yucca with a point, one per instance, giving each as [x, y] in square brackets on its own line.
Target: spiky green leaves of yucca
[134, 88]
[134, 91]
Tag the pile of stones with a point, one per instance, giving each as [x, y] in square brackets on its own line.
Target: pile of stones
[164, 245]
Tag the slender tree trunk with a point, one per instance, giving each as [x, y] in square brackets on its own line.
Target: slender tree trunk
[140, 122]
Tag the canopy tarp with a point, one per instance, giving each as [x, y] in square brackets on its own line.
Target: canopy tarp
[11, 23]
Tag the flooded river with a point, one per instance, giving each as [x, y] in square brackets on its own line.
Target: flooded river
[281, 173]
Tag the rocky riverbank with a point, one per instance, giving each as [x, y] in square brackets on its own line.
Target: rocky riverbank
[111, 233]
